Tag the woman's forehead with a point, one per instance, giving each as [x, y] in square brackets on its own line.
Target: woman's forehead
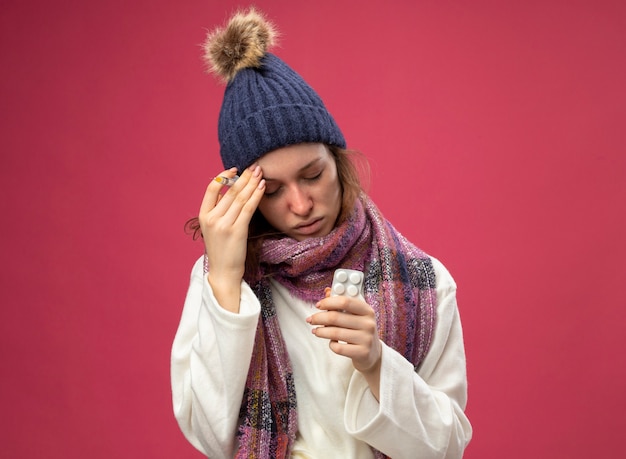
[292, 159]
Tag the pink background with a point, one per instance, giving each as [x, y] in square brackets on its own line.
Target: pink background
[496, 135]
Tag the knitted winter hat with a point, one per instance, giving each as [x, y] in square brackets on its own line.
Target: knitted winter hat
[266, 105]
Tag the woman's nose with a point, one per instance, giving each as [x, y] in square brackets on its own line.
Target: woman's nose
[300, 203]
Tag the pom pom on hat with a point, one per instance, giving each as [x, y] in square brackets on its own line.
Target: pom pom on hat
[242, 43]
[266, 105]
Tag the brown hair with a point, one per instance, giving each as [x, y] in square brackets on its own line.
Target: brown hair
[349, 173]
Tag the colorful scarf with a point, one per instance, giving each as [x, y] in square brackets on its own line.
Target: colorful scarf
[399, 285]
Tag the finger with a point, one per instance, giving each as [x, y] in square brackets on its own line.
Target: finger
[345, 335]
[212, 194]
[245, 202]
[237, 197]
[252, 204]
[356, 306]
[360, 355]
[339, 320]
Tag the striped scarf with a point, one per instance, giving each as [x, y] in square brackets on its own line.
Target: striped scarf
[399, 285]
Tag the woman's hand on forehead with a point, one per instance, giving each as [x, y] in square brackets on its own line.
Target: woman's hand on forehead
[224, 219]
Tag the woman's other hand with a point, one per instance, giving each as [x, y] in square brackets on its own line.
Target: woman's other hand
[350, 325]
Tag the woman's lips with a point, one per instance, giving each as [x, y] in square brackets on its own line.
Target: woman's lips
[310, 227]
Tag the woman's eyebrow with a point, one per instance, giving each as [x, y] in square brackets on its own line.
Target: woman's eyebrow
[303, 168]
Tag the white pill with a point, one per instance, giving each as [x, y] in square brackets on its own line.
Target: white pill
[341, 276]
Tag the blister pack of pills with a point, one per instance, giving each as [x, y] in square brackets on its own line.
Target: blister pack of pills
[347, 282]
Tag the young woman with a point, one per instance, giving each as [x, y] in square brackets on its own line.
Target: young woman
[266, 363]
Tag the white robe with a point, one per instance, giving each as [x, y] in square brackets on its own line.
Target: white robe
[419, 414]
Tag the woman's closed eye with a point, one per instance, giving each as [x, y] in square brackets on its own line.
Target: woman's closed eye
[274, 189]
[314, 177]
